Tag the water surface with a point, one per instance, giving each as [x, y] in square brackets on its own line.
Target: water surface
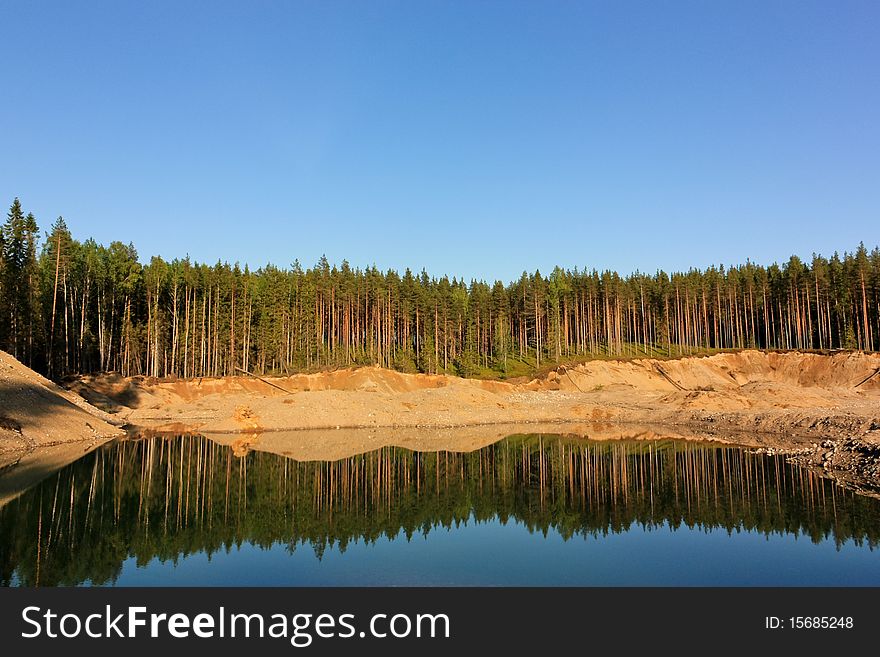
[528, 510]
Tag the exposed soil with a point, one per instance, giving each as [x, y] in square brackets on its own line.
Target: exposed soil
[36, 414]
[790, 402]
[803, 396]
[822, 409]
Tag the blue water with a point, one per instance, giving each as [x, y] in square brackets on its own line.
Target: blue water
[528, 510]
[495, 554]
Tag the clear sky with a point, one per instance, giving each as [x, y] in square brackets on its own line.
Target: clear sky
[472, 138]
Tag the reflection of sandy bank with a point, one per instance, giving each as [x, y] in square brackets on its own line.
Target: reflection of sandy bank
[336, 444]
[37, 465]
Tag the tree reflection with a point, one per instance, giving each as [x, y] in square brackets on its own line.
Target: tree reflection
[169, 497]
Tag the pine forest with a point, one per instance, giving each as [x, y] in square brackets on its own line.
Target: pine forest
[70, 307]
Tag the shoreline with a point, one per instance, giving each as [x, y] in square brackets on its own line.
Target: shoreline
[789, 402]
[800, 395]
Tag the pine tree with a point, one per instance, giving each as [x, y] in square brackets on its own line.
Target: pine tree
[20, 285]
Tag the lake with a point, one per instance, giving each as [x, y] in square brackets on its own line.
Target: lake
[528, 510]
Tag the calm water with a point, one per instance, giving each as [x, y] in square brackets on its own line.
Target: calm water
[528, 510]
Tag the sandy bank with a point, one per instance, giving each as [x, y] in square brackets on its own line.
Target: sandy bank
[785, 402]
[795, 394]
[36, 414]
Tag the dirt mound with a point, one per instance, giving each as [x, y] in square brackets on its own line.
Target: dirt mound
[373, 379]
[596, 376]
[730, 371]
[108, 391]
[112, 392]
[707, 400]
[34, 413]
[795, 393]
[246, 418]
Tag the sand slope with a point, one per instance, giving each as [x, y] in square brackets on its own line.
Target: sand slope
[36, 413]
[794, 393]
[781, 401]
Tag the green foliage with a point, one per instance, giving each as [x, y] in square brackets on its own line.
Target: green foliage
[20, 323]
[81, 306]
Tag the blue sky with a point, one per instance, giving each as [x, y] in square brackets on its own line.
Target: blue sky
[470, 138]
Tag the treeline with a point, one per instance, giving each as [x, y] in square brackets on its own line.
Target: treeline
[68, 306]
[168, 498]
